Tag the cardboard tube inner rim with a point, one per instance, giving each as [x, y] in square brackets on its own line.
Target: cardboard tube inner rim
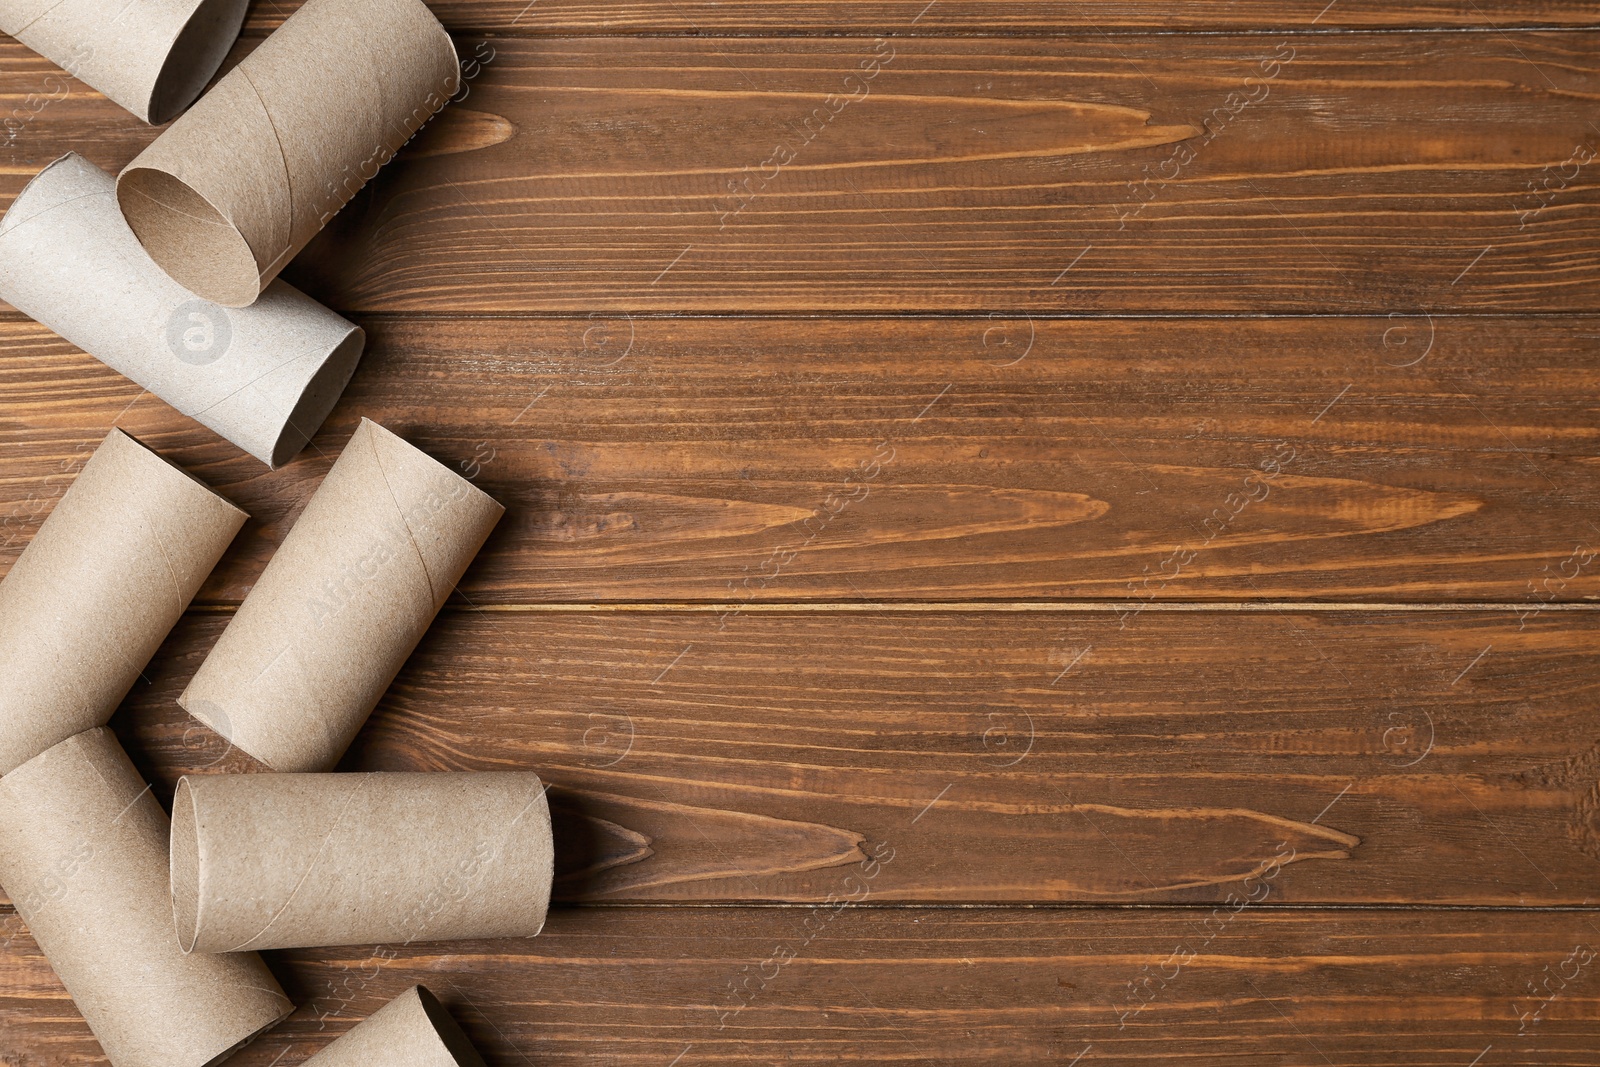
[185, 233]
[306, 418]
[201, 47]
[185, 867]
[312, 405]
[449, 1031]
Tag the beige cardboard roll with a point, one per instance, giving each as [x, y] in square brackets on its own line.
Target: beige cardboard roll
[83, 855]
[94, 594]
[346, 598]
[152, 57]
[412, 1030]
[312, 860]
[264, 377]
[235, 188]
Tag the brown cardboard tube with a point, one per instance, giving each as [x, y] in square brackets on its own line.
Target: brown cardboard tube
[83, 855]
[312, 860]
[412, 1030]
[345, 599]
[236, 187]
[152, 57]
[264, 377]
[94, 594]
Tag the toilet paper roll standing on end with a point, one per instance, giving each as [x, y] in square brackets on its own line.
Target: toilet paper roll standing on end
[95, 592]
[265, 861]
[236, 187]
[152, 57]
[83, 856]
[264, 377]
[412, 1030]
[344, 600]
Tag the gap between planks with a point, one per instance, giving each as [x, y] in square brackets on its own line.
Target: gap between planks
[1067, 905]
[900, 33]
[983, 607]
[8, 315]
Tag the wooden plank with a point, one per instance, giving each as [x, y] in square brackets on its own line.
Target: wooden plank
[654, 986]
[904, 18]
[988, 17]
[1440, 757]
[734, 459]
[1347, 172]
[611, 187]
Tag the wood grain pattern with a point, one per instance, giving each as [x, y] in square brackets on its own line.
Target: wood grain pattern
[906, 17]
[1210, 173]
[922, 987]
[624, 153]
[1438, 758]
[1079, 546]
[732, 460]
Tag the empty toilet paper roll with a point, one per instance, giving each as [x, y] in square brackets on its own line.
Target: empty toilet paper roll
[152, 57]
[95, 592]
[236, 187]
[345, 599]
[264, 377]
[412, 1030]
[312, 860]
[83, 855]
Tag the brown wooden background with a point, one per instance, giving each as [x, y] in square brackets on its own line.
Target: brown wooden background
[945, 589]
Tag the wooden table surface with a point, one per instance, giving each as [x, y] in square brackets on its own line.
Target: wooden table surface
[1039, 532]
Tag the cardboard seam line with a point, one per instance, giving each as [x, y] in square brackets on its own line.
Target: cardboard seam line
[20, 30]
[166, 560]
[269, 372]
[271, 663]
[504, 838]
[422, 563]
[126, 7]
[141, 194]
[283, 255]
[321, 848]
[20, 223]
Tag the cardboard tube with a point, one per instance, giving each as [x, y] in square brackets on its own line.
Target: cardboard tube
[83, 855]
[345, 599]
[152, 57]
[264, 377]
[235, 188]
[94, 594]
[312, 860]
[412, 1030]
